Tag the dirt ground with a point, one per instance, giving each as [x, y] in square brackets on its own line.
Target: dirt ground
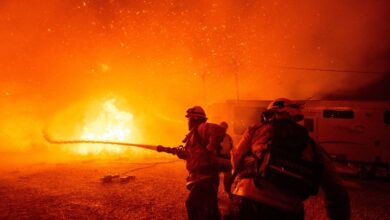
[75, 191]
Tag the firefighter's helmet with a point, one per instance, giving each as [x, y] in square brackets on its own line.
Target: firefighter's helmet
[197, 112]
[286, 107]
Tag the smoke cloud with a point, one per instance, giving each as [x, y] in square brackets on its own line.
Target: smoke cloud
[165, 56]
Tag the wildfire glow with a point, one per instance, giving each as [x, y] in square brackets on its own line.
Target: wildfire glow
[109, 124]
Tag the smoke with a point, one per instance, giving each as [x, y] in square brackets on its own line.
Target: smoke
[164, 56]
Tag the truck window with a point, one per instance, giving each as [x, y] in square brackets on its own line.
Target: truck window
[308, 123]
[341, 114]
[387, 117]
[244, 117]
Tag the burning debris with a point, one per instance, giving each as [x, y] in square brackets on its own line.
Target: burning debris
[107, 122]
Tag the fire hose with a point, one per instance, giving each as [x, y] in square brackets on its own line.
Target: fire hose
[179, 151]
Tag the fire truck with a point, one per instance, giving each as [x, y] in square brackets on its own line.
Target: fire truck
[356, 134]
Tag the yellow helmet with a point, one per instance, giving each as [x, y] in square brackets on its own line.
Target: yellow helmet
[286, 107]
[196, 111]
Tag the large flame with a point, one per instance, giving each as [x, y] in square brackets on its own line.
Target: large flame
[108, 124]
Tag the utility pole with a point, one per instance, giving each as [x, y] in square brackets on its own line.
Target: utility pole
[234, 68]
[237, 85]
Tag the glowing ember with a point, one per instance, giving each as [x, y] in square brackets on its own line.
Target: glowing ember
[110, 124]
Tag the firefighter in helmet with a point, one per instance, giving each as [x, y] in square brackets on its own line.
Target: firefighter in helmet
[276, 166]
[203, 165]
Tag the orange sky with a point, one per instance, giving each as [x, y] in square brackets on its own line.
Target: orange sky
[160, 57]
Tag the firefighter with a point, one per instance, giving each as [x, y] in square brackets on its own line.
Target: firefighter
[203, 164]
[226, 147]
[276, 166]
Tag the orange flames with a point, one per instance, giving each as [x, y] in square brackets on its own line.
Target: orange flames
[108, 123]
